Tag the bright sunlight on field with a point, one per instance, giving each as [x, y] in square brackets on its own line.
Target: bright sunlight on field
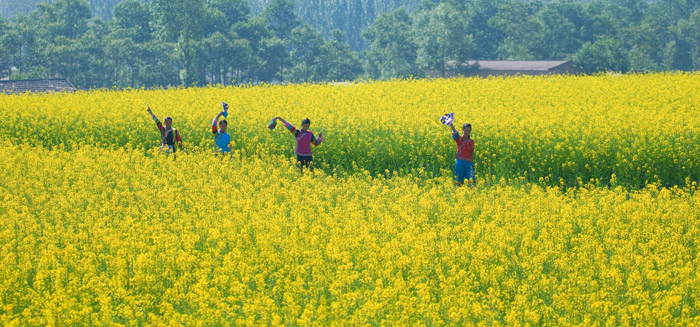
[585, 211]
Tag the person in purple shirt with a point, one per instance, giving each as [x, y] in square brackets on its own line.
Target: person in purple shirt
[304, 140]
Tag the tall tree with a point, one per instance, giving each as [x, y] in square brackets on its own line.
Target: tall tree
[240, 59]
[273, 56]
[517, 22]
[688, 31]
[306, 49]
[133, 19]
[563, 31]
[216, 49]
[442, 36]
[69, 18]
[393, 48]
[233, 11]
[280, 18]
[25, 48]
[254, 31]
[183, 21]
[603, 55]
[339, 62]
[4, 51]
[486, 38]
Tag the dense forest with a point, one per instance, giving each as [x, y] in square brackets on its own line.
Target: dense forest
[131, 43]
[349, 16]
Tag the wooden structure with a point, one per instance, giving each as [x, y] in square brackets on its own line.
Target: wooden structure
[36, 86]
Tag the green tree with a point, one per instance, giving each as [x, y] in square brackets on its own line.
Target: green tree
[670, 19]
[306, 46]
[487, 39]
[339, 62]
[4, 51]
[273, 56]
[688, 31]
[183, 21]
[132, 19]
[254, 31]
[279, 16]
[521, 29]
[240, 59]
[67, 18]
[393, 48]
[563, 31]
[217, 49]
[90, 67]
[124, 56]
[442, 36]
[233, 11]
[25, 49]
[160, 64]
[604, 54]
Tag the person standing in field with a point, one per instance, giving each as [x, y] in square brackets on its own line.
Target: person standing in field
[304, 140]
[464, 165]
[168, 134]
[221, 138]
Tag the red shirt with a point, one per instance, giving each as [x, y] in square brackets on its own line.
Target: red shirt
[465, 147]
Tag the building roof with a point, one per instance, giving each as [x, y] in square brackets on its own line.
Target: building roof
[519, 65]
[36, 86]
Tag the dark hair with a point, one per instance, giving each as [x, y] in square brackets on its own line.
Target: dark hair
[467, 125]
[306, 121]
[223, 121]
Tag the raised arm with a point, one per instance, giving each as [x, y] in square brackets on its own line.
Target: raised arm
[280, 119]
[214, 128]
[289, 126]
[455, 133]
[155, 119]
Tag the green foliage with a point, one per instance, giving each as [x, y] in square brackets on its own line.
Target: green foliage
[4, 51]
[393, 47]
[318, 60]
[279, 16]
[339, 62]
[132, 19]
[183, 21]
[197, 42]
[604, 54]
[441, 39]
[521, 29]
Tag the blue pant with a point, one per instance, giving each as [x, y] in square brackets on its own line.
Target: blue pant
[464, 169]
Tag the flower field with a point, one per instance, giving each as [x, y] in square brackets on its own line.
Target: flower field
[585, 212]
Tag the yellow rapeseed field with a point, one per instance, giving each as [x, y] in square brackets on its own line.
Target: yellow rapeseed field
[585, 212]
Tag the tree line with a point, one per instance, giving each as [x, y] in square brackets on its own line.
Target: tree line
[618, 35]
[171, 42]
[198, 42]
[349, 16]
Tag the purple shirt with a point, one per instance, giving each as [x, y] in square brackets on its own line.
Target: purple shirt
[304, 140]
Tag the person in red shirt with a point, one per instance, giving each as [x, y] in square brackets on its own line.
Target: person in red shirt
[464, 166]
[168, 134]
